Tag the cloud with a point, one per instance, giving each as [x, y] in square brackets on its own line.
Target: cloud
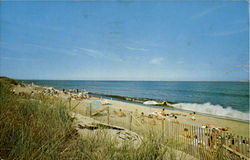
[228, 33]
[98, 54]
[91, 52]
[156, 60]
[204, 13]
[136, 49]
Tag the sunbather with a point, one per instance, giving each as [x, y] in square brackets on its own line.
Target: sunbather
[175, 120]
[121, 114]
[186, 134]
[163, 112]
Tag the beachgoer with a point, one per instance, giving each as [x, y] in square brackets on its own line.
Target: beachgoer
[224, 128]
[121, 114]
[195, 141]
[193, 118]
[32, 94]
[212, 138]
[142, 117]
[233, 146]
[186, 133]
[163, 112]
[175, 120]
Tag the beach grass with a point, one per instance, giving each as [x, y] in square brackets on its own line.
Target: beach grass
[37, 127]
[31, 128]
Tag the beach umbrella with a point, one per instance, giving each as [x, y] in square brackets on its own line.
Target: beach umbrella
[150, 103]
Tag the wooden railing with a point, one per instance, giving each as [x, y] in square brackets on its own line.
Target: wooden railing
[204, 143]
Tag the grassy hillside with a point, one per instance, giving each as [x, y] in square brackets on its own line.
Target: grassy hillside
[31, 128]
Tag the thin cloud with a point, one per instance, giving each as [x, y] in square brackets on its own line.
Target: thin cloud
[91, 52]
[228, 33]
[156, 60]
[136, 49]
[204, 13]
[98, 54]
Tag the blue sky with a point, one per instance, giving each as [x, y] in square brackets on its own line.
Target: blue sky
[117, 40]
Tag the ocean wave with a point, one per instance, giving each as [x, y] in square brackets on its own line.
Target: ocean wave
[216, 110]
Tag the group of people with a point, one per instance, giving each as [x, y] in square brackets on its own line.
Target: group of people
[75, 94]
[155, 115]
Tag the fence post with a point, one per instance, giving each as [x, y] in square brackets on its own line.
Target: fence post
[130, 121]
[90, 110]
[162, 128]
[108, 114]
[166, 128]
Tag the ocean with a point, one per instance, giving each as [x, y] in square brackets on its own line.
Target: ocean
[225, 99]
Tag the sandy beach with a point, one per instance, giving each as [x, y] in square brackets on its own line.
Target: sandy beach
[235, 127]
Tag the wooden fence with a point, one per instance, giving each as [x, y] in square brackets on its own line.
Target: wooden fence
[204, 143]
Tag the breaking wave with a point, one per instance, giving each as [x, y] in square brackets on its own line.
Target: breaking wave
[216, 110]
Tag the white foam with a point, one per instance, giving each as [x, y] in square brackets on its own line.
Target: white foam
[216, 110]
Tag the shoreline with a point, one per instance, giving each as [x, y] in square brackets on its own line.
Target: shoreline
[220, 105]
[168, 105]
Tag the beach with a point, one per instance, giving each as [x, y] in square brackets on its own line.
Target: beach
[235, 127]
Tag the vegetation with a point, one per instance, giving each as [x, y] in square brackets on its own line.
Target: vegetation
[31, 128]
[41, 128]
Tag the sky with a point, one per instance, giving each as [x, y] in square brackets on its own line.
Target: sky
[125, 40]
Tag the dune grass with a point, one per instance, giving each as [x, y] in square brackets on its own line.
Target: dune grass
[32, 127]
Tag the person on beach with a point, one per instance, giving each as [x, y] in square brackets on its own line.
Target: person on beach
[121, 114]
[142, 117]
[163, 112]
[186, 134]
[193, 116]
[212, 139]
[175, 120]
[233, 146]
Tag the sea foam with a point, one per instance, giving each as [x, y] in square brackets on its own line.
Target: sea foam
[216, 110]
